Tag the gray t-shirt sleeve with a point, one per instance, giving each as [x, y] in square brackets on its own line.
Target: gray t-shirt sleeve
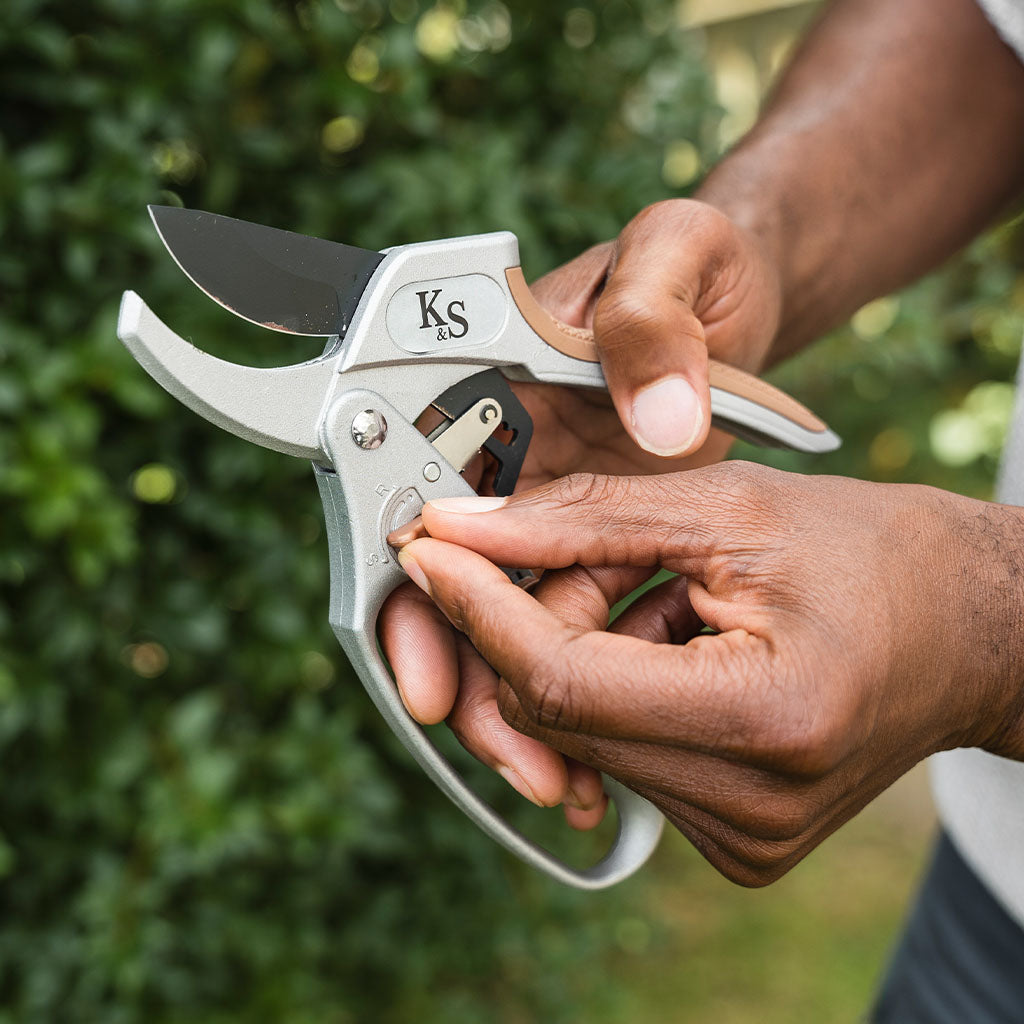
[1007, 17]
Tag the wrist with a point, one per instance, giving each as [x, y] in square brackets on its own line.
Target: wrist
[991, 623]
[765, 187]
[746, 201]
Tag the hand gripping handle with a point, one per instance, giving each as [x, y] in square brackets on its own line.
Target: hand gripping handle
[741, 404]
[362, 504]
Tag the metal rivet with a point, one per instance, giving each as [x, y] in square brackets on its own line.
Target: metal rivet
[488, 414]
[432, 472]
[369, 428]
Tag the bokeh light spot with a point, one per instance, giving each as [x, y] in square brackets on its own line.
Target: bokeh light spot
[956, 437]
[580, 28]
[436, 34]
[177, 160]
[682, 163]
[890, 450]
[978, 427]
[363, 65]
[148, 660]
[341, 134]
[155, 484]
[874, 319]
[317, 670]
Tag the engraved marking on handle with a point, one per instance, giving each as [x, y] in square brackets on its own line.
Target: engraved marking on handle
[447, 313]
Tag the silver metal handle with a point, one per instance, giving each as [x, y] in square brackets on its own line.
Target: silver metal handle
[364, 571]
[640, 823]
[510, 330]
[382, 488]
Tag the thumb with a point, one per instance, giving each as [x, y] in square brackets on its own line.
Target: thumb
[569, 292]
[655, 361]
[651, 342]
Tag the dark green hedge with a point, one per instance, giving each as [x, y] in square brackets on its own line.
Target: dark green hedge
[202, 818]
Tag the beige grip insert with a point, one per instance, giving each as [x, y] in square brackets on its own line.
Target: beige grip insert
[578, 343]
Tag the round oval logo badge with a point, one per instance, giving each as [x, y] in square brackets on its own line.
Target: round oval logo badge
[447, 313]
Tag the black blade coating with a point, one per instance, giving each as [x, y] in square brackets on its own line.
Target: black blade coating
[278, 279]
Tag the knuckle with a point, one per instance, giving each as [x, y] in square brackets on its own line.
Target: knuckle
[740, 873]
[753, 877]
[752, 513]
[548, 694]
[511, 709]
[626, 313]
[744, 485]
[540, 696]
[764, 861]
[576, 488]
[594, 494]
[780, 817]
[752, 863]
[477, 616]
[789, 724]
[657, 213]
[454, 608]
[700, 224]
[667, 215]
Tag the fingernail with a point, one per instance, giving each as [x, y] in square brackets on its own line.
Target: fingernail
[413, 570]
[518, 783]
[412, 530]
[667, 417]
[465, 505]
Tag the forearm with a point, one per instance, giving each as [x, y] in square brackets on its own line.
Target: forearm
[984, 617]
[892, 139]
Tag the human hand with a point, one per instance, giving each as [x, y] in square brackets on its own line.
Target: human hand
[680, 281]
[859, 628]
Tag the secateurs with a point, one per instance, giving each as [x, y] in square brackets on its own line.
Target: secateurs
[444, 324]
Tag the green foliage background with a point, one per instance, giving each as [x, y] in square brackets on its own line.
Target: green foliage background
[201, 816]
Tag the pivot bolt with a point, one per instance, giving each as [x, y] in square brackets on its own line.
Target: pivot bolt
[369, 428]
[432, 472]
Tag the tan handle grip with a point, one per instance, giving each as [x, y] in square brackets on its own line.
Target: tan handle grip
[578, 343]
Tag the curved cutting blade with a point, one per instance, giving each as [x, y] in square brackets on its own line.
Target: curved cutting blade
[277, 279]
